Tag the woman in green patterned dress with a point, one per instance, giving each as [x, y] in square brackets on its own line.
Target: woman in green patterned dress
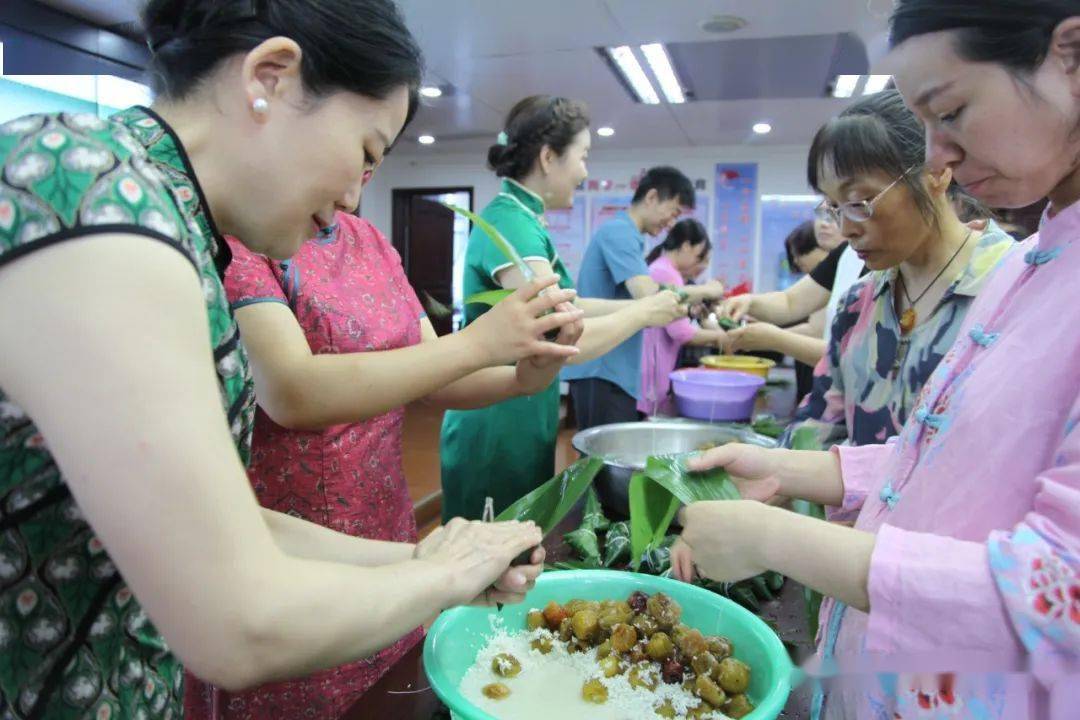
[130, 539]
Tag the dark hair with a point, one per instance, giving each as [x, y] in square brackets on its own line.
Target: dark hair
[360, 46]
[534, 122]
[668, 182]
[877, 134]
[800, 241]
[1013, 33]
[687, 230]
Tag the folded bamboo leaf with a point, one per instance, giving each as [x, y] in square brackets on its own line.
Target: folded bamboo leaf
[760, 588]
[727, 323]
[500, 241]
[488, 297]
[548, 504]
[583, 541]
[656, 560]
[656, 493]
[774, 580]
[594, 517]
[652, 508]
[617, 544]
[743, 595]
[768, 425]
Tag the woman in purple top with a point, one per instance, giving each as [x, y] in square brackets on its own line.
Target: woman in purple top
[683, 256]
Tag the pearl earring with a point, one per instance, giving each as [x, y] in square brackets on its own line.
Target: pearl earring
[260, 105]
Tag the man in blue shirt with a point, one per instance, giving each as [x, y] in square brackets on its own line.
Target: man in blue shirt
[605, 390]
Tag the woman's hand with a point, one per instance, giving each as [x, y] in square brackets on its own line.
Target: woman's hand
[661, 309]
[514, 328]
[737, 307]
[480, 555]
[754, 470]
[537, 372]
[713, 290]
[723, 539]
[755, 336]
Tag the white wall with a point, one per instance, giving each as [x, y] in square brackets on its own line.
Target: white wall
[782, 170]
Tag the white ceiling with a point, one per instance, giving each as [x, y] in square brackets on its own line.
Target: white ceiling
[495, 52]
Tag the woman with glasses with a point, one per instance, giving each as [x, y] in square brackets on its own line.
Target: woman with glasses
[964, 562]
[893, 327]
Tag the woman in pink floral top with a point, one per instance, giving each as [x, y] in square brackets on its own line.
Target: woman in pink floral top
[957, 594]
[326, 331]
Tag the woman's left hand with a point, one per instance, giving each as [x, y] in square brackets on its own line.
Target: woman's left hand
[516, 582]
[724, 539]
[537, 372]
[755, 336]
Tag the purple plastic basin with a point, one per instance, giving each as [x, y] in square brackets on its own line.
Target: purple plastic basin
[705, 394]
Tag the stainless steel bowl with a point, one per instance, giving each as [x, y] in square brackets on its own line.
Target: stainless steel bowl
[626, 446]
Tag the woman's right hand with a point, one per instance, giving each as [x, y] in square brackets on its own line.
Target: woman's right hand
[480, 555]
[754, 470]
[737, 307]
[514, 328]
[661, 309]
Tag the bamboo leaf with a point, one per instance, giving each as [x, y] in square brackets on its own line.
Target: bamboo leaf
[548, 504]
[805, 438]
[488, 297]
[500, 241]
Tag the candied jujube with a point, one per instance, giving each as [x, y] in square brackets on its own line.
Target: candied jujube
[705, 664]
[660, 647]
[638, 601]
[506, 665]
[535, 620]
[623, 638]
[554, 614]
[733, 676]
[692, 643]
[738, 706]
[709, 691]
[671, 671]
[721, 647]
[664, 610]
[645, 625]
[610, 666]
[644, 676]
[595, 692]
[585, 624]
[496, 691]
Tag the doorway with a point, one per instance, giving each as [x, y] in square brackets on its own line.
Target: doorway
[432, 240]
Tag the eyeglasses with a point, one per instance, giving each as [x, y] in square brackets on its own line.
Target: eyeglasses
[860, 211]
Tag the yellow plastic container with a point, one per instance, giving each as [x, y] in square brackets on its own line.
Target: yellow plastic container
[739, 363]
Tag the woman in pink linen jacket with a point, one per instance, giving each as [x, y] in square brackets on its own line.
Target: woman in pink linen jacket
[682, 256]
[964, 562]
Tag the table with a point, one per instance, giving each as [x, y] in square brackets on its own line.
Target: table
[404, 694]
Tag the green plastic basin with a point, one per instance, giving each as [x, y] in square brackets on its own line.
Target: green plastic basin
[458, 635]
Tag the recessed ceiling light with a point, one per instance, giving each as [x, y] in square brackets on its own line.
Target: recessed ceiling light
[762, 128]
[723, 24]
[876, 83]
[426, 139]
[605, 131]
[657, 56]
[631, 69]
[431, 91]
[845, 85]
